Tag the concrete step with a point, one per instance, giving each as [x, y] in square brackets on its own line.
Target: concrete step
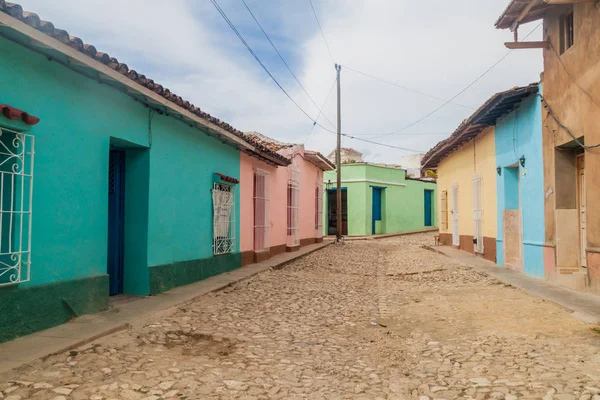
[572, 278]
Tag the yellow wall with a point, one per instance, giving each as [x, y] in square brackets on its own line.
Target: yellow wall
[478, 156]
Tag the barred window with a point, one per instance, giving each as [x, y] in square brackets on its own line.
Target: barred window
[16, 190]
[223, 218]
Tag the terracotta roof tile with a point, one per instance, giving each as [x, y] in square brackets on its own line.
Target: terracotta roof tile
[33, 20]
[14, 114]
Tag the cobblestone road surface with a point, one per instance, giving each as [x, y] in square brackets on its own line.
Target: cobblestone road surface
[368, 320]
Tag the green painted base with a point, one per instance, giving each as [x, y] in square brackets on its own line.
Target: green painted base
[29, 309]
[169, 276]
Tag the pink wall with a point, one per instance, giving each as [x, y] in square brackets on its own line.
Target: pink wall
[310, 176]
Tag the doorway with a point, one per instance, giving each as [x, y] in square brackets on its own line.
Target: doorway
[377, 214]
[333, 212]
[454, 211]
[116, 215]
[581, 205]
[477, 214]
[428, 207]
[512, 220]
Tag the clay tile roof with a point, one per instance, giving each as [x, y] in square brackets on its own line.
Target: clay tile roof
[33, 20]
[487, 115]
[319, 160]
[267, 142]
[16, 114]
[516, 7]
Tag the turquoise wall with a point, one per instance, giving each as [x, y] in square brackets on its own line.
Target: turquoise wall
[79, 119]
[520, 133]
[403, 206]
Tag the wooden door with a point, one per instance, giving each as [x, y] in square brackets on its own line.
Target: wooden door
[581, 191]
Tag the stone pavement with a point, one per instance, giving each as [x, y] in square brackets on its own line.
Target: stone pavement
[88, 328]
[383, 319]
[585, 306]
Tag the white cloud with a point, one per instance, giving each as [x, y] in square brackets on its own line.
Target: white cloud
[436, 47]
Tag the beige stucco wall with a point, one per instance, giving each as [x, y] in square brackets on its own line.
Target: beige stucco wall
[477, 156]
[574, 108]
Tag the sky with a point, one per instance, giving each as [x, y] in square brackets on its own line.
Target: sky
[436, 47]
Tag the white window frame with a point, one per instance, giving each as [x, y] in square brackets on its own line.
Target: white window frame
[16, 185]
[224, 239]
[262, 221]
[478, 213]
[293, 205]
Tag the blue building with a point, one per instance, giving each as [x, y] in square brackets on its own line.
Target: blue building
[135, 188]
[520, 187]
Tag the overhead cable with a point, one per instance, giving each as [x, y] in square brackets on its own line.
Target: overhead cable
[403, 87]
[460, 92]
[312, 128]
[285, 62]
[321, 29]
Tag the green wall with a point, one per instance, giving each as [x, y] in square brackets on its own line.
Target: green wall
[168, 184]
[402, 201]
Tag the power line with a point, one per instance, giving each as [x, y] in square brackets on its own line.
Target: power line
[284, 62]
[320, 112]
[220, 10]
[459, 93]
[383, 144]
[403, 87]
[321, 29]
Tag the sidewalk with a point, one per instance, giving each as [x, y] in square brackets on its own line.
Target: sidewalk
[88, 328]
[585, 306]
[383, 236]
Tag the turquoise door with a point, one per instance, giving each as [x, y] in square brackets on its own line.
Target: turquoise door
[428, 207]
[376, 206]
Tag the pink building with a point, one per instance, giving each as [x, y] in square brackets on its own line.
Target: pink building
[281, 208]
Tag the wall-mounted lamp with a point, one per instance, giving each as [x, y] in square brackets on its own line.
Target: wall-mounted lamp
[522, 161]
[499, 171]
[328, 185]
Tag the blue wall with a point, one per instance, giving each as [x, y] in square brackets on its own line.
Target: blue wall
[79, 119]
[520, 133]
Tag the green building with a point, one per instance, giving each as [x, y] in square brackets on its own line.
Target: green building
[379, 199]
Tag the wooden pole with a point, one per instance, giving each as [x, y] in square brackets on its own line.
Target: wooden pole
[338, 158]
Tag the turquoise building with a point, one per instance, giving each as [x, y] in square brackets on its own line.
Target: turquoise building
[110, 183]
[520, 187]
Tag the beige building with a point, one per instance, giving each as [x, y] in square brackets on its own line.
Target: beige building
[571, 132]
[349, 156]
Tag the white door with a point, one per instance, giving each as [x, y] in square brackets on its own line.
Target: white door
[478, 214]
[454, 211]
[582, 207]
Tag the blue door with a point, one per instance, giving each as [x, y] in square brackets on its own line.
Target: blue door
[376, 206]
[116, 208]
[428, 207]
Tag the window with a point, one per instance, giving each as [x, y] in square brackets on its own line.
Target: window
[293, 206]
[319, 209]
[16, 190]
[444, 210]
[567, 32]
[223, 218]
[261, 210]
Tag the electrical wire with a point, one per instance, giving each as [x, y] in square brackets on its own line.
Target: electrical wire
[312, 128]
[321, 29]
[459, 93]
[571, 76]
[285, 62]
[220, 10]
[563, 126]
[403, 87]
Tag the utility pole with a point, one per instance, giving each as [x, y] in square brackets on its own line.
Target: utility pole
[338, 158]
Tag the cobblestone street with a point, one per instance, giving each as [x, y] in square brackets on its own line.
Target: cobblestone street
[381, 319]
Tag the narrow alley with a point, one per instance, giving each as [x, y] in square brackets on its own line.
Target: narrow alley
[383, 319]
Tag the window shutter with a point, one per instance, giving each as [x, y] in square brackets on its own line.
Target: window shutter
[444, 210]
